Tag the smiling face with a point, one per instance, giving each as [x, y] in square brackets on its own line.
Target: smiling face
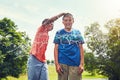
[48, 26]
[68, 21]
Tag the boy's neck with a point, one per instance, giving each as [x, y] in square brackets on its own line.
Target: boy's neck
[68, 29]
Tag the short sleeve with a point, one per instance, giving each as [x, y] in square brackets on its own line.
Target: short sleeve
[81, 40]
[57, 38]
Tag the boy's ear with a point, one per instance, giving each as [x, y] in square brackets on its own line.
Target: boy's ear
[73, 20]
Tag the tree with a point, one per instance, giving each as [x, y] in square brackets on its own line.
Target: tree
[52, 61]
[90, 63]
[113, 53]
[48, 61]
[106, 47]
[14, 47]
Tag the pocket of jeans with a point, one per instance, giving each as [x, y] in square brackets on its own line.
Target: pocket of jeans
[45, 67]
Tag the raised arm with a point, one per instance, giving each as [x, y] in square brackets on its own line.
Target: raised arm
[52, 19]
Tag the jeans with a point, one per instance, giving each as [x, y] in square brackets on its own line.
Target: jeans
[36, 69]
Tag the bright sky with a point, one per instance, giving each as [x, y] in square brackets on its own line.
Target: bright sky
[28, 14]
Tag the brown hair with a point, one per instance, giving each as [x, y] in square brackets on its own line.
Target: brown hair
[45, 20]
[66, 15]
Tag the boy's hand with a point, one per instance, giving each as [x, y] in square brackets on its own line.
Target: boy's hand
[81, 69]
[59, 69]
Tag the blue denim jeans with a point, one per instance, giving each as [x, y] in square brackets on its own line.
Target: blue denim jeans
[36, 69]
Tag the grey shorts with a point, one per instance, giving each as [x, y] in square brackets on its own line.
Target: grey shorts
[36, 69]
[69, 73]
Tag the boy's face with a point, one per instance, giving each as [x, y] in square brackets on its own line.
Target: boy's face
[68, 21]
[50, 27]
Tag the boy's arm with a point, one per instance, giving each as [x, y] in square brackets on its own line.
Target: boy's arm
[52, 19]
[58, 67]
[82, 55]
[56, 54]
[81, 66]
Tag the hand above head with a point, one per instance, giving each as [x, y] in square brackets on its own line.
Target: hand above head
[61, 14]
[54, 18]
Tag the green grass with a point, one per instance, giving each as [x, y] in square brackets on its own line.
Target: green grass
[53, 75]
[88, 75]
[22, 77]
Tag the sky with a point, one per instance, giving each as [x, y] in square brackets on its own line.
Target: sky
[28, 14]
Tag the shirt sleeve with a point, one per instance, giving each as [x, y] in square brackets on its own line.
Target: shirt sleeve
[81, 40]
[57, 38]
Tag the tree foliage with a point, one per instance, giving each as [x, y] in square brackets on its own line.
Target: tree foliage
[48, 61]
[106, 47]
[90, 63]
[52, 61]
[14, 46]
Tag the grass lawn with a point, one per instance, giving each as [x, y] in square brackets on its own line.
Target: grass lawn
[53, 75]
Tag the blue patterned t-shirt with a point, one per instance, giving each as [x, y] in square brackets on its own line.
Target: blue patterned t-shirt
[68, 49]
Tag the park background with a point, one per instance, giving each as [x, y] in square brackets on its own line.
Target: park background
[28, 15]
